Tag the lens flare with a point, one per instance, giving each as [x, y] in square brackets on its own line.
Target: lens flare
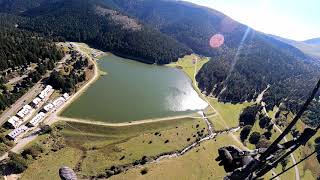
[216, 40]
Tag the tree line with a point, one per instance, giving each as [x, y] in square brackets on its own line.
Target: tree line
[18, 49]
[77, 20]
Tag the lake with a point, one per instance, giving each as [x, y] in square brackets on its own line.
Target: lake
[135, 91]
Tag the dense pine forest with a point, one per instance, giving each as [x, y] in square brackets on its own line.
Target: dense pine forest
[18, 49]
[244, 65]
[101, 27]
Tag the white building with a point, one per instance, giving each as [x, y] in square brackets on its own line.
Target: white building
[58, 102]
[66, 96]
[37, 119]
[24, 111]
[15, 121]
[36, 102]
[49, 107]
[28, 107]
[47, 92]
[18, 131]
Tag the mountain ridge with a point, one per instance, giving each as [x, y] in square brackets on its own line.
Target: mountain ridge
[313, 41]
[310, 47]
[79, 21]
[244, 65]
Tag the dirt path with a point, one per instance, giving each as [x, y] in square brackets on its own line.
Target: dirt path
[95, 77]
[54, 116]
[59, 118]
[16, 79]
[168, 155]
[205, 99]
[260, 96]
[297, 174]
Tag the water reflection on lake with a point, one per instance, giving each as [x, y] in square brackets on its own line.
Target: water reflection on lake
[135, 91]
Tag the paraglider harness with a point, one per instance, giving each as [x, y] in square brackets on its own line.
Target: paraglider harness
[249, 165]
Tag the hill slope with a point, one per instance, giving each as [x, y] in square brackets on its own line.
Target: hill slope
[93, 22]
[314, 41]
[244, 65]
[18, 6]
[18, 50]
[310, 47]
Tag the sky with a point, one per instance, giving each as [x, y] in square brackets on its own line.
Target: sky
[293, 19]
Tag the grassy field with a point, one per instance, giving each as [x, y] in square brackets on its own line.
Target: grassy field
[199, 163]
[48, 166]
[105, 146]
[127, 145]
[187, 64]
[228, 114]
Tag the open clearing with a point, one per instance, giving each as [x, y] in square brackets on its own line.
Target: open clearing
[228, 113]
[48, 166]
[106, 146]
[197, 164]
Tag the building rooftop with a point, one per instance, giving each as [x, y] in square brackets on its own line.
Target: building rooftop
[48, 107]
[15, 121]
[58, 102]
[36, 101]
[16, 132]
[37, 119]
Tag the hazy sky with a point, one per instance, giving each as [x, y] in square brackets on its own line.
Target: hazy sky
[293, 19]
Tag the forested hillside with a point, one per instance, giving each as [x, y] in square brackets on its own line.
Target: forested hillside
[18, 49]
[93, 22]
[310, 47]
[18, 6]
[244, 65]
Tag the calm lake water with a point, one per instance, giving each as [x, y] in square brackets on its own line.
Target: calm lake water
[135, 91]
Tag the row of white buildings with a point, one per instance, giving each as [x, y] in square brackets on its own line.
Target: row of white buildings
[21, 116]
[26, 112]
[48, 108]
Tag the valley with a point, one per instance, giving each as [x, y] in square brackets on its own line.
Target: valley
[128, 142]
[179, 132]
[143, 142]
[129, 91]
[143, 89]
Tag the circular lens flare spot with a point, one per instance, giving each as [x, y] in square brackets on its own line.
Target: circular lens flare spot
[216, 40]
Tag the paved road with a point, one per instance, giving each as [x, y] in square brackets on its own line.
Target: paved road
[20, 144]
[16, 79]
[25, 99]
[36, 89]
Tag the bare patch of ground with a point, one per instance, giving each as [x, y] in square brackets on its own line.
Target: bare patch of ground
[125, 21]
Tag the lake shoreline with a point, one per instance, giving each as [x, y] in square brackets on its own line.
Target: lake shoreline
[136, 122]
[186, 97]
